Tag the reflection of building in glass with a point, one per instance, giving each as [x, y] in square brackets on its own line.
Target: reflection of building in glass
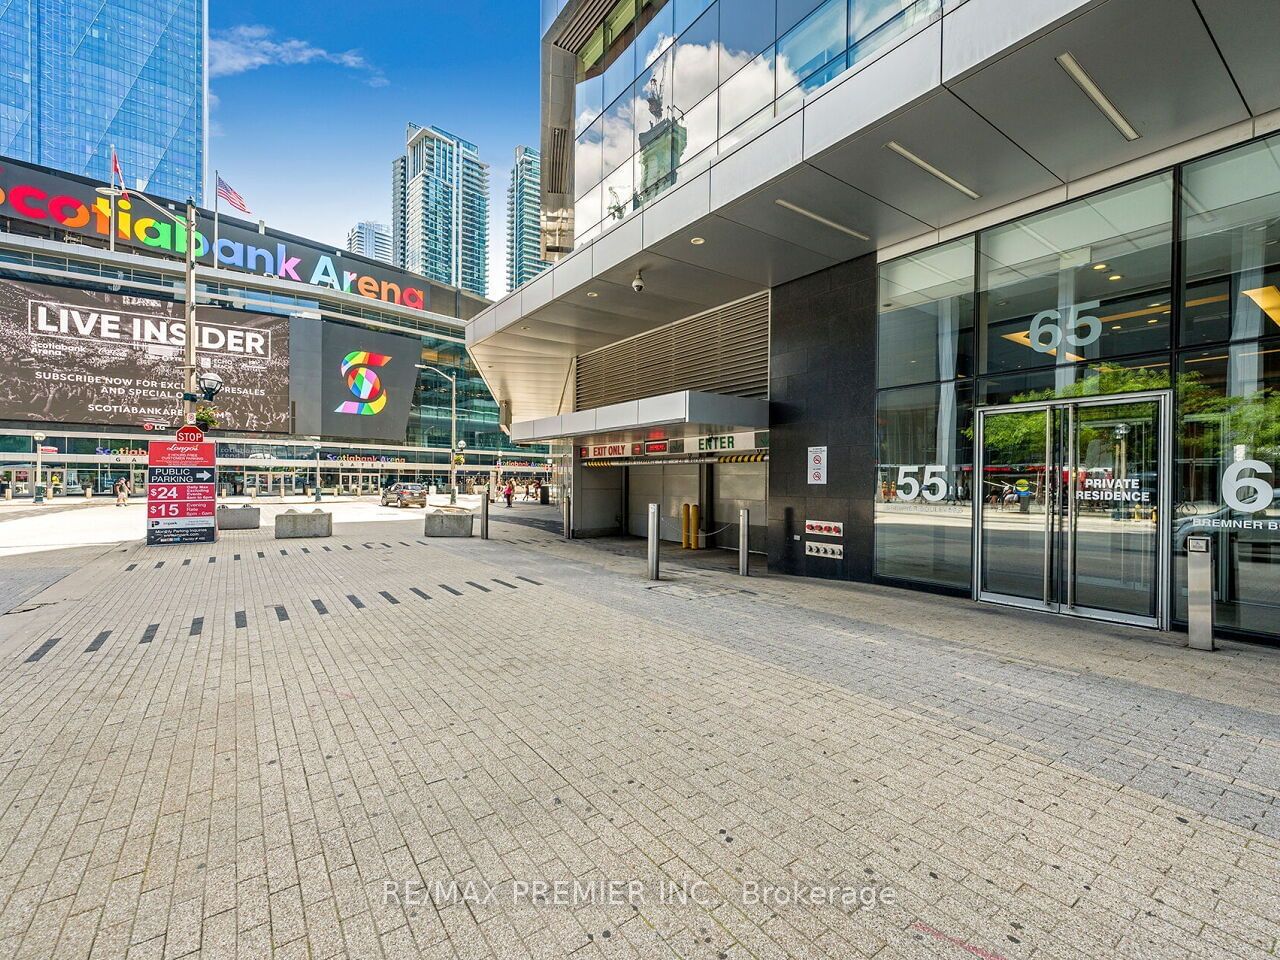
[78, 76]
[718, 80]
[440, 209]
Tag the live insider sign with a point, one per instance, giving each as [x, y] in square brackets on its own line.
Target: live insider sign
[181, 489]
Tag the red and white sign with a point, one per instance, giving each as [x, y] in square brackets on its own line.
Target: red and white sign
[817, 468]
[607, 450]
[182, 499]
[181, 492]
[180, 508]
[177, 453]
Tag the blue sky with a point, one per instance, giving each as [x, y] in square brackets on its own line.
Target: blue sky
[309, 102]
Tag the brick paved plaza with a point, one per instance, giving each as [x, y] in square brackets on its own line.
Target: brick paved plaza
[293, 748]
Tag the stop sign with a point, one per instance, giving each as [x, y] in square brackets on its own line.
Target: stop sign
[189, 434]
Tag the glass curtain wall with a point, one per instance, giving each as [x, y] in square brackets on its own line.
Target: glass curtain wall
[1227, 448]
[925, 416]
[1082, 300]
[665, 85]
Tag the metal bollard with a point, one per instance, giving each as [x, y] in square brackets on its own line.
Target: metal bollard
[695, 523]
[566, 515]
[653, 541]
[484, 514]
[744, 525]
[684, 526]
[1200, 592]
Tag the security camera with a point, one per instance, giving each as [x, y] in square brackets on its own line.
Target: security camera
[638, 283]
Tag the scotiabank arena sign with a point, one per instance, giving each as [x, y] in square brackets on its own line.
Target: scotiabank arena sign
[64, 202]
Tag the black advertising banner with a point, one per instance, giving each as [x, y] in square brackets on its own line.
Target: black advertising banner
[84, 356]
[366, 383]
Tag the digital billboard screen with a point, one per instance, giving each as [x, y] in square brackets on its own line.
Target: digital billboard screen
[366, 383]
[84, 356]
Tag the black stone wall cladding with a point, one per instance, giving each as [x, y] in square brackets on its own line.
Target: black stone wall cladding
[822, 392]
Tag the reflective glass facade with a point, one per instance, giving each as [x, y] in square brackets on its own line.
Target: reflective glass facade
[665, 85]
[1169, 286]
[81, 75]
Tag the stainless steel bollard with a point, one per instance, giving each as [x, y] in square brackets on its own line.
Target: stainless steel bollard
[1200, 592]
[566, 515]
[484, 514]
[744, 533]
[653, 541]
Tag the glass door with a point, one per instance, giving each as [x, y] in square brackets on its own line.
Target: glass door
[1071, 518]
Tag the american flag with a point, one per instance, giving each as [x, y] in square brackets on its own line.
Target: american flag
[229, 195]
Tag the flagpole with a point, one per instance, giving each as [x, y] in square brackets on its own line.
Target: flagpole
[216, 178]
[112, 200]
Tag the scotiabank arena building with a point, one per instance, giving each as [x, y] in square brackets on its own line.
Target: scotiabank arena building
[331, 363]
[975, 296]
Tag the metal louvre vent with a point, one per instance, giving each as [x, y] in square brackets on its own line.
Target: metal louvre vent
[589, 15]
[557, 169]
[725, 350]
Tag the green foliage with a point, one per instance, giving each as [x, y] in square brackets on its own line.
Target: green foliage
[206, 416]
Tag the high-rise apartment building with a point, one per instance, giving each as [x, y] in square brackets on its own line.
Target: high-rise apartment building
[524, 230]
[371, 239]
[440, 209]
[80, 75]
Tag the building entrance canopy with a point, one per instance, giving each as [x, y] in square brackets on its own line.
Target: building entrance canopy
[724, 424]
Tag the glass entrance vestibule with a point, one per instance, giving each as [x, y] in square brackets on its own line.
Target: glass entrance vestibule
[1063, 399]
[1073, 513]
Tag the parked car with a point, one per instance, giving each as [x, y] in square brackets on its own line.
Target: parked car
[404, 495]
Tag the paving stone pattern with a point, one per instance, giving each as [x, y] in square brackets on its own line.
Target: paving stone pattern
[235, 758]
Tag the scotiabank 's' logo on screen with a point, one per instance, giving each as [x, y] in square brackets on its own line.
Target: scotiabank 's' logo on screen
[363, 381]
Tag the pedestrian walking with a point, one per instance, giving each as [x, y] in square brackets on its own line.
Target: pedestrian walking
[119, 489]
[509, 492]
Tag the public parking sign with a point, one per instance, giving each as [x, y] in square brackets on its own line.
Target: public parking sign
[182, 493]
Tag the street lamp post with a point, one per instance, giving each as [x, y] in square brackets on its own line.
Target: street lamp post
[317, 497]
[189, 398]
[453, 428]
[38, 489]
[188, 224]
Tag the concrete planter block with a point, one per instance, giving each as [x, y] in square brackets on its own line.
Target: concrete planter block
[448, 523]
[291, 524]
[239, 518]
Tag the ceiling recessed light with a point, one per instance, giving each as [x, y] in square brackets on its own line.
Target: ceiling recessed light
[819, 218]
[697, 241]
[1094, 93]
[1154, 320]
[1115, 326]
[1116, 276]
[524, 326]
[1099, 266]
[933, 171]
[592, 293]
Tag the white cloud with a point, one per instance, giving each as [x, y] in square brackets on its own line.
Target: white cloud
[250, 46]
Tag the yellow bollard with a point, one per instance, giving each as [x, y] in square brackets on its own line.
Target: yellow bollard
[684, 526]
[693, 527]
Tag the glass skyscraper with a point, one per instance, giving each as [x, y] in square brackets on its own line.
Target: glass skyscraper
[77, 76]
[524, 230]
[440, 209]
